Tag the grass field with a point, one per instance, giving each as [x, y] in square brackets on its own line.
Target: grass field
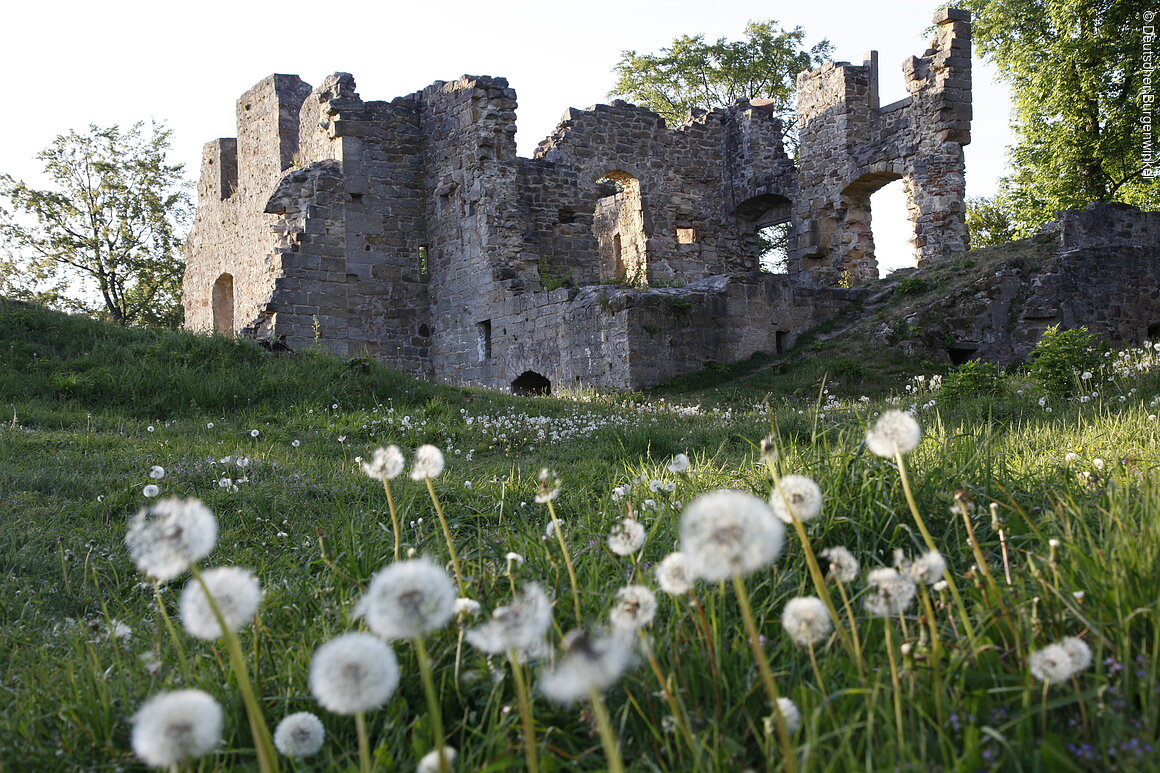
[1059, 490]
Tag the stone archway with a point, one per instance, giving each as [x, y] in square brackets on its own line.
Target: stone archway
[531, 383]
[767, 229]
[618, 224]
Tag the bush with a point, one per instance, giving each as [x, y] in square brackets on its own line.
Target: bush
[972, 380]
[1062, 356]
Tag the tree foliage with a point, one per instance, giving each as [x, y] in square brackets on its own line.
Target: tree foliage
[989, 220]
[692, 74]
[1075, 71]
[105, 239]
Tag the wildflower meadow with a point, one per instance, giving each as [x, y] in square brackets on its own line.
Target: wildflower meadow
[217, 559]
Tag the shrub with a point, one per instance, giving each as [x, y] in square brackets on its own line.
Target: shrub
[1062, 356]
[971, 380]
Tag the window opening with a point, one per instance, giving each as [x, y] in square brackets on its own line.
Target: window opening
[483, 331]
[222, 303]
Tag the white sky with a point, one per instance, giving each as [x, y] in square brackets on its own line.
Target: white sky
[70, 63]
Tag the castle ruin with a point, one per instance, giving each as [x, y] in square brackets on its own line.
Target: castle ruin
[622, 254]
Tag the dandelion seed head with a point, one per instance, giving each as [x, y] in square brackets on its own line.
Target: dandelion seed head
[299, 735]
[548, 487]
[465, 607]
[1052, 664]
[169, 535]
[407, 599]
[353, 673]
[514, 560]
[175, 726]
[843, 565]
[673, 575]
[1079, 651]
[627, 537]
[519, 627]
[236, 592]
[150, 491]
[894, 431]
[295, 443]
[430, 761]
[428, 463]
[726, 533]
[928, 568]
[254, 433]
[1071, 457]
[890, 592]
[679, 464]
[789, 712]
[589, 663]
[798, 498]
[156, 472]
[806, 620]
[385, 464]
[635, 607]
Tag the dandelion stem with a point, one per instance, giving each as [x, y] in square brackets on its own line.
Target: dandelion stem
[523, 695]
[172, 634]
[857, 640]
[394, 515]
[674, 707]
[432, 698]
[894, 680]
[763, 669]
[567, 560]
[263, 743]
[450, 548]
[607, 738]
[929, 540]
[364, 743]
[935, 655]
[981, 560]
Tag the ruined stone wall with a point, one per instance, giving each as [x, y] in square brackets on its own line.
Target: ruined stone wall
[851, 147]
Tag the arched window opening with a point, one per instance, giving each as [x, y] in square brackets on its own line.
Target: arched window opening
[222, 304]
[767, 228]
[618, 224]
[531, 383]
[877, 222]
[893, 232]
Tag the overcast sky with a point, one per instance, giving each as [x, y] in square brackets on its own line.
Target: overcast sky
[68, 64]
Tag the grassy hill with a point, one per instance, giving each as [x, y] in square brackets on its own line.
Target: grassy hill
[271, 444]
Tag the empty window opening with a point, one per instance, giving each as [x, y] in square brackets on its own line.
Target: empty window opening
[531, 383]
[773, 248]
[424, 331]
[483, 344]
[222, 303]
[619, 227]
[687, 235]
[893, 232]
[782, 339]
[1154, 332]
[961, 355]
[423, 261]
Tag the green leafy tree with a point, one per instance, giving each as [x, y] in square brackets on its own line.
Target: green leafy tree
[105, 240]
[989, 221]
[1075, 72]
[692, 74]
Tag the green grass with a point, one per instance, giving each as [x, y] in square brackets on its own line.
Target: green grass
[78, 400]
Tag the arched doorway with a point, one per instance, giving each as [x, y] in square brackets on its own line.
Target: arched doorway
[531, 383]
[618, 224]
[859, 258]
[222, 302]
[767, 229]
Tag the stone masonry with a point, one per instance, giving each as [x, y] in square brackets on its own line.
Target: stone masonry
[623, 253]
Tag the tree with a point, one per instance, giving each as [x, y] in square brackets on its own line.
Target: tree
[1075, 71]
[105, 240]
[989, 221]
[693, 74]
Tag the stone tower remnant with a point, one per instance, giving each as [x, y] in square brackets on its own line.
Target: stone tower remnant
[621, 254]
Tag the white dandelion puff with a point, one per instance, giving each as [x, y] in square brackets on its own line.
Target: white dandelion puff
[806, 620]
[150, 491]
[589, 663]
[168, 536]
[353, 673]
[673, 575]
[679, 464]
[408, 599]
[928, 568]
[799, 497]
[175, 726]
[156, 472]
[726, 533]
[514, 560]
[789, 712]
[627, 537]
[386, 463]
[635, 607]
[254, 433]
[430, 762]
[1080, 652]
[548, 487]
[890, 592]
[895, 431]
[236, 592]
[1052, 664]
[428, 463]
[465, 607]
[299, 735]
[519, 627]
[844, 566]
